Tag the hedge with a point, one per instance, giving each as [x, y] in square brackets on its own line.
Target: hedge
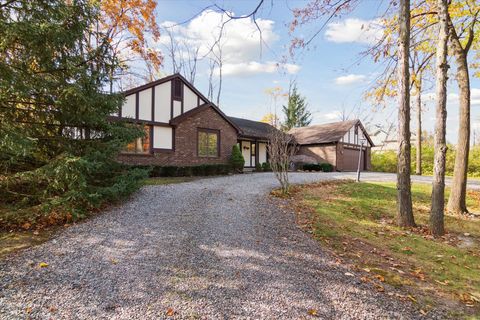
[325, 167]
[188, 171]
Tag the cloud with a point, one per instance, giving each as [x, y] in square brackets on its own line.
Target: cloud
[253, 67]
[453, 98]
[240, 44]
[350, 79]
[354, 31]
[334, 115]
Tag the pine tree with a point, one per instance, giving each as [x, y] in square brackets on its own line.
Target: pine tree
[296, 112]
[57, 147]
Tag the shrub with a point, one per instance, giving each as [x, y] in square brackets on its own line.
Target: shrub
[266, 166]
[236, 159]
[326, 167]
[312, 167]
[169, 171]
[258, 167]
[187, 171]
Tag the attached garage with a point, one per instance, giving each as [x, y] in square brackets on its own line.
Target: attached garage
[337, 143]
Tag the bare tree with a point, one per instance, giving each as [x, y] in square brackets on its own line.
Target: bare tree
[404, 196]
[281, 147]
[438, 191]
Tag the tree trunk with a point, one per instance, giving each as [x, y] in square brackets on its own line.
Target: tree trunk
[457, 200]
[418, 84]
[404, 196]
[438, 190]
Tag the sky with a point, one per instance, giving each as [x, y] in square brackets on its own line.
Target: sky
[330, 73]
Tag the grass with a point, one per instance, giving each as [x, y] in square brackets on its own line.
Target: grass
[357, 221]
[167, 180]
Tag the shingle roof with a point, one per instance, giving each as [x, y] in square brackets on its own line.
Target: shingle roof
[253, 129]
[322, 133]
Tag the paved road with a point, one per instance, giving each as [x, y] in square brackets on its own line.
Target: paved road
[209, 249]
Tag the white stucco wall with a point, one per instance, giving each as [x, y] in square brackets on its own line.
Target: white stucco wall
[162, 102]
[190, 99]
[162, 137]
[145, 104]
[177, 108]
[128, 108]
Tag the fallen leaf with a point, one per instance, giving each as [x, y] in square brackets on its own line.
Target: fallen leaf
[28, 309]
[114, 261]
[366, 269]
[313, 312]
[170, 312]
[380, 277]
[349, 274]
[43, 264]
[412, 298]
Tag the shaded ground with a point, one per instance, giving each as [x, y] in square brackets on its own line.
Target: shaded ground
[214, 248]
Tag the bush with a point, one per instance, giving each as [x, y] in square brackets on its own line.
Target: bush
[266, 166]
[326, 167]
[236, 159]
[312, 167]
[258, 167]
[186, 171]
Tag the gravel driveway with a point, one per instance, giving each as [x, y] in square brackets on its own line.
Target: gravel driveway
[209, 249]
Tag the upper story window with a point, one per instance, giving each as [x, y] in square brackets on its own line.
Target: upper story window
[208, 143]
[177, 88]
[140, 145]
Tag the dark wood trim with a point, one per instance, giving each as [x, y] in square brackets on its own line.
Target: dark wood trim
[173, 139]
[198, 101]
[171, 100]
[137, 105]
[153, 103]
[151, 139]
[183, 98]
[139, 121]
[257, 153]
[163, 150]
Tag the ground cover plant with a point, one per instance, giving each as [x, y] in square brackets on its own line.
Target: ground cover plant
[357, 221]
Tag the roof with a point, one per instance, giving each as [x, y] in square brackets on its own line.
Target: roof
[325, 133]
[185, 115]
[253, 129]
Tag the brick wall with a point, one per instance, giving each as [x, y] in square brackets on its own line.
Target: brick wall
[185, 149]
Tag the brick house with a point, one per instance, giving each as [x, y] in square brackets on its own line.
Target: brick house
[183, 128]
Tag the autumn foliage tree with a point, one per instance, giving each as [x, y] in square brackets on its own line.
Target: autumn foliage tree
[130, 26]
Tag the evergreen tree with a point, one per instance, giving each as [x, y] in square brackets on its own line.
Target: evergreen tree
[296, 113]
[57, 147]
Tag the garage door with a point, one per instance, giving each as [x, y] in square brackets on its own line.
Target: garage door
[350, 159]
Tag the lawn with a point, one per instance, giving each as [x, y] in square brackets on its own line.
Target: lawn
[357, 221]
[167, 180]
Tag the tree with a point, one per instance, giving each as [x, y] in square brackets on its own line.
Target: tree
[467, 12]
[54, 66]
[438, 185]
[296, 113]
[271, 119]
[130, 25]
[281, 147]
[404, 197]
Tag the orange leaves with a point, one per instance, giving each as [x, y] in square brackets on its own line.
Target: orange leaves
[170, 312]
[133, 20]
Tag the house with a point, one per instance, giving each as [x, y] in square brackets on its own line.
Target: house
[183, 128]
[386, 139]
[337, 143]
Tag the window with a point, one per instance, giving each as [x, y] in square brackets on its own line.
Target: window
[177, 89]
[208, 143]
[140, 145]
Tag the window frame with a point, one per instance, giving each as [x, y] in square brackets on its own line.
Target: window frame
[208, 132]
[177, 83]
[149, 130]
